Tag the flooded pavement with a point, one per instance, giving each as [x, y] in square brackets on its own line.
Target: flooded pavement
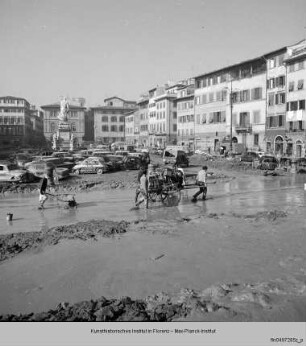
[244, 195]
[188, 245]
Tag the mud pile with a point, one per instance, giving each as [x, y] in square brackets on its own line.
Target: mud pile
[13, 244]
[268, 301]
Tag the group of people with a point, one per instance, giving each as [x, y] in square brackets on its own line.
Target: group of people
[177, 173]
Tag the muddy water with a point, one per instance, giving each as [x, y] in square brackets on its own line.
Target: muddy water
[166, 255]
[244, 195]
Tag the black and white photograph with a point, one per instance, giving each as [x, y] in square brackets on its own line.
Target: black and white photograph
[152, 169]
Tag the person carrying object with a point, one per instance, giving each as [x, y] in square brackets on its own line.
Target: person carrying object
[201, 182]
[42, 192]
[142, 189]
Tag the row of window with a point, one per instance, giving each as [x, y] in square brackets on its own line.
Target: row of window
[12, 101]
[276, 99]
[247, 95]
[160, 105]
[211, 118]
[211, 97]
[71, 114]
[184, 105]
[186, 118]
[113, 119]
[277, 82]
[296, 105]
[185, 132]
[12, 110]
[296, 125]
[300, 65]
[276, 61]
[14, 131]
[143, 116]
[112, 128]
[299, 86]
[6, 120]
[143, 128]
[109, 111]
[160, 127]
[276, 121]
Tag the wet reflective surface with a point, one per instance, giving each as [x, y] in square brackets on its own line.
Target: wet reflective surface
[245, 196]
[167, 254]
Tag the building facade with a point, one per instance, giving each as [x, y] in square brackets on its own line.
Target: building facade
[143, 105]
[15, 122]
[276, 102]
[109, 120]
[132, 128]
[185, 116]
[295, 140]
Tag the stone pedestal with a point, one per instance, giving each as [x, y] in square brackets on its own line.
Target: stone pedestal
[63, 140]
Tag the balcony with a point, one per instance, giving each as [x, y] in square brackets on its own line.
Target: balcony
[243, 128]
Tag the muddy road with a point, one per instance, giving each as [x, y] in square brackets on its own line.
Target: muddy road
[239, 255]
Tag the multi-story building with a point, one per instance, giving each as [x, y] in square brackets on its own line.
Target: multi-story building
[296, 97]
[163, 115]
[143, 105]
[15, 122]
[76, 120]
[132, 124]
[185, 115]
[109, 120]
[210, 108]
[276, 101]
[37, 120]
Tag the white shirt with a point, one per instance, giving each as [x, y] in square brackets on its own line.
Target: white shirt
[202, 176]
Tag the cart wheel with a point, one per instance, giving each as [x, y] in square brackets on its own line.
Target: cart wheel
[100, 171]
[171, 198]
[152, 196]
[77, 172]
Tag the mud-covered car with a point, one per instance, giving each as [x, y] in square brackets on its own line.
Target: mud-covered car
[91, 165]
[131, 162]
[115, 162]
[249, 156]
[268, 163]
[12, 173]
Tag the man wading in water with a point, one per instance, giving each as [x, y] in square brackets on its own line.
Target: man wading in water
[201, 182]
[42, 193]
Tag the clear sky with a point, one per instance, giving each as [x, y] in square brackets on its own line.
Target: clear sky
[101, 48]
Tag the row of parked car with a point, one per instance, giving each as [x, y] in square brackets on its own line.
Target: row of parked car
[270, 162]
[24, 167]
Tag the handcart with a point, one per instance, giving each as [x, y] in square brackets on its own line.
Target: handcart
[66, 199]
[164, 185]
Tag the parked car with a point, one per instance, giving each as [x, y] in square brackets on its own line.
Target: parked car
[115, 162]
[172, 156]
[122, 152]
[91, 165]
[39, 169]
[268, 162]
[131, 162]
[249, 156]
[12, 173]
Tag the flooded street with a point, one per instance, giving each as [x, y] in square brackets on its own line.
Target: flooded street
[189, 245]
[245, 195]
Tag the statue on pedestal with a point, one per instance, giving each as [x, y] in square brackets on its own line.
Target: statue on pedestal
[63, 116]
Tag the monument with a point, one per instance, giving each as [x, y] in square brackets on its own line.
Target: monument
[63, 139]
